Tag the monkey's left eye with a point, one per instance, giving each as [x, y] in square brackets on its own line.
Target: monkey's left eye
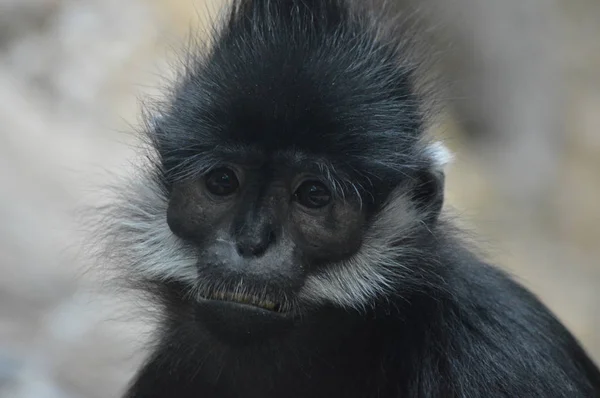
[313, 194]
[222, 181]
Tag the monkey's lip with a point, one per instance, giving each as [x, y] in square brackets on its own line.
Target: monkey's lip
[242, 319]
[247, 300]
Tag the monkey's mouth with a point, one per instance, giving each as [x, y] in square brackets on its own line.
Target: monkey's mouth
[240, 318]
[247, 299]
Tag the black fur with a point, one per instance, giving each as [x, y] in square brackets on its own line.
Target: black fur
[322, 76]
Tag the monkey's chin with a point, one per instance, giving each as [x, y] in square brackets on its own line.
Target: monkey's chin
[242, 324]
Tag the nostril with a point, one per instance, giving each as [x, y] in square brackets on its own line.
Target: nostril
[249, 249]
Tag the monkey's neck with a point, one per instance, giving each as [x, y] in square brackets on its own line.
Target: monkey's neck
[324, 353]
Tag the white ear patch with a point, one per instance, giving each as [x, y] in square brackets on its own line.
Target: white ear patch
[440, 155]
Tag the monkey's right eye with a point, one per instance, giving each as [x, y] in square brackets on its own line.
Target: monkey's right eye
[313, 194]
[222, 181]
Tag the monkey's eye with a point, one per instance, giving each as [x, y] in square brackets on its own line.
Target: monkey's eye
[312, 194]
[221, 181]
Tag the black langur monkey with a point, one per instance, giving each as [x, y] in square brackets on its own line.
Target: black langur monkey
[289, 228]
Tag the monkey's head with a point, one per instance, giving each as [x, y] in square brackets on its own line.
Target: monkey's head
[291, 171]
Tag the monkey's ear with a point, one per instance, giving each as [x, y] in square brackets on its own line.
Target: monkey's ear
[429, 190]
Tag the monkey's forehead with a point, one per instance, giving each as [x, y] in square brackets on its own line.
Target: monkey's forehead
[277, 78]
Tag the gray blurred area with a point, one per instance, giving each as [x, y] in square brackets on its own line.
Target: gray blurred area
[524, 123]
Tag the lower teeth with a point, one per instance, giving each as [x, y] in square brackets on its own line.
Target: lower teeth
[268, 305]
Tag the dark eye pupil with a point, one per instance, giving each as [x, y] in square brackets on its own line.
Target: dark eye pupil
[222, 182]
[313, 194]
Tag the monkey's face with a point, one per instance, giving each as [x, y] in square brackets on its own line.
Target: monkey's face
[260, 228]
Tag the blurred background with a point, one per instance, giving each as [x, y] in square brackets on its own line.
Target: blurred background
[523, 121]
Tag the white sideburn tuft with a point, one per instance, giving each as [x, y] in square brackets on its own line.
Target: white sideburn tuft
[373, 270]
[143, 239]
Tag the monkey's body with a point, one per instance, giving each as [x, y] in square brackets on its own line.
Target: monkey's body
[290, 230]
[477, 334]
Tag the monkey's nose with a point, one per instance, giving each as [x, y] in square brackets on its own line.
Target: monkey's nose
[255, 244]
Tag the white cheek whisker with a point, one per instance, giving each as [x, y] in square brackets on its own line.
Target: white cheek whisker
[373, 271]
[143, 244]
[138, 240]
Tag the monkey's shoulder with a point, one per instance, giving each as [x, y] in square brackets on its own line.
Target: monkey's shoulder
[491, 335]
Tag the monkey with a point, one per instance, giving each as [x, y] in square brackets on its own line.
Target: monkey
[289, 227]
